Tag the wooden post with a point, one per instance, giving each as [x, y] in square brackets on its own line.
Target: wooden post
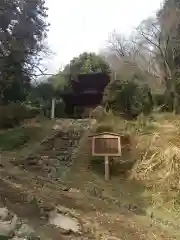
[53, 108]
[106, 168]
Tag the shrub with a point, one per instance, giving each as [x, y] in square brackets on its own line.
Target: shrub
[31, 111]
[104, 128]
[98, 113]
[13, 138]
[14, 113]
[129, 98]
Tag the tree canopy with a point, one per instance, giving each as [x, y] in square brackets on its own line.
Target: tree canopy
[86, 63]
[150, 56]
[23, 29]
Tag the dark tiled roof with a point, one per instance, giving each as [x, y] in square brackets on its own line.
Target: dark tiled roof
[91, 82]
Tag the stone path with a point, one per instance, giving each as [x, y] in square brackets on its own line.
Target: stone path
[11, 227]
[50, 159]
[54, 156]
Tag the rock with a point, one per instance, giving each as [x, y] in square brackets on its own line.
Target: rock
[3, 213]
[135, 209]
[66, 223]
[150, 213]
[7, 228]
[65, 189]
[17, 238]
[74, 190]
[57, 127]
[1, 164]
[25, 231]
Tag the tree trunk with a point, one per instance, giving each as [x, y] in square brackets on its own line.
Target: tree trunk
[175, 99]
[176, 103]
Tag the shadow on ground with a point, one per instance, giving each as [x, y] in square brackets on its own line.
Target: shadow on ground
[125, 192]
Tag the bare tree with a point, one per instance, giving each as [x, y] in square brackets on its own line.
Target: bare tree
[130, 51]
[123, 47]
[158, 37]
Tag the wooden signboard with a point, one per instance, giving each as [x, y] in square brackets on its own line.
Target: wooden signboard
[106, 144]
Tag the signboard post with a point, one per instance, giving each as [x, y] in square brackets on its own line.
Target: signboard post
[107, 168]
[108, 145]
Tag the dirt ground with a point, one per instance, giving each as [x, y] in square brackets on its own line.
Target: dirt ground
[31, 197]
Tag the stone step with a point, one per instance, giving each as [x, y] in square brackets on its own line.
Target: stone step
[55, 154]
[65, 158]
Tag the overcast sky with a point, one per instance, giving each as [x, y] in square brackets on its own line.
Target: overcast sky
[84, 25]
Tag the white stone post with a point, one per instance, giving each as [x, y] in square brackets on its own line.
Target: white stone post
[53, 108]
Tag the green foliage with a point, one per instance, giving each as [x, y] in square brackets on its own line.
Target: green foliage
[17, 91]
[169, 43]
[31, 111]
[159, 99]
[86, 63]
[129, 98]
[23, 29]
[13, 114]
[104, 128]
[163, 101]
[13, 138]
[2, 237]
[17, 137]
[59, 82]
[42, 94]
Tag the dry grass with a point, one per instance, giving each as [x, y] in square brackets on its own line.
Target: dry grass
[148, 184]
[35, 129]
[157, 149]
[102, 205]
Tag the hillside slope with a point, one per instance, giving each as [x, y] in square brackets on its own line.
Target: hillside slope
[120, 209]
